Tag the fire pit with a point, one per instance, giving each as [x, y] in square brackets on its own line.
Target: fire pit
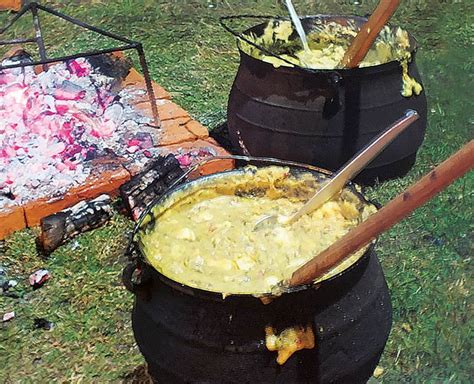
[79, 125]
[59, 114]
[56, 122]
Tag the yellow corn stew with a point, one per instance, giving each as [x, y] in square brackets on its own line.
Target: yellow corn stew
[328, 42]
[205, 236]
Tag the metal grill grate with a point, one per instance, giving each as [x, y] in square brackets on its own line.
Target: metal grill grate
[34, 7]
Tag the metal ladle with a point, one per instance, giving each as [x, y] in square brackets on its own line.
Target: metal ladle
[351, 169]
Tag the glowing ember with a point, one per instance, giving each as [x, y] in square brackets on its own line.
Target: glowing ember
[193, 157]
[52, 123]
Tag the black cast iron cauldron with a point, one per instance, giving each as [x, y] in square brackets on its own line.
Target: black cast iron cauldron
[323, 117]
[189, 335]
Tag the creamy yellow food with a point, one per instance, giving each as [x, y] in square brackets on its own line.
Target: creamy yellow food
[328, 43]
[289, 341]
[204, 236]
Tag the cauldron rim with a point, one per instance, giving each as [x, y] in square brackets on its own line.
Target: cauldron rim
[344, 72]
[218, 296]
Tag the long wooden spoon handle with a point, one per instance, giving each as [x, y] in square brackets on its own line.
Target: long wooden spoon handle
[368, 33]
[398, 208]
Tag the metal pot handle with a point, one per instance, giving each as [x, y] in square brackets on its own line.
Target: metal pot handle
[136, 277]
[241, 36]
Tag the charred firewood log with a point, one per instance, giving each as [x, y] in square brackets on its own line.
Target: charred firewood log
[111, 65]
[152, 182]
[16, 55]
[62, 226]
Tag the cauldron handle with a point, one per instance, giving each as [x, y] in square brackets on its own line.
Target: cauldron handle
[127, 275]
[135, 275]
[136, 278]
[332, 103]
[241, 36]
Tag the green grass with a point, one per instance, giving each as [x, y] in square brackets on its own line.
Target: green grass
[427, 258]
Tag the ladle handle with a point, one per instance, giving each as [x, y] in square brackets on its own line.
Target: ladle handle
[368, 33]
[353, 167]
[398, 208]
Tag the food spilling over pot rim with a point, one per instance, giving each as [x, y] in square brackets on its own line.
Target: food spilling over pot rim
[203, 235]
[328, 41]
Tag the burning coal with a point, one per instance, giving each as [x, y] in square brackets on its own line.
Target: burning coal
[54, 122]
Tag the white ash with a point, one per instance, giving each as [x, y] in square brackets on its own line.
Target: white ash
[53, 123]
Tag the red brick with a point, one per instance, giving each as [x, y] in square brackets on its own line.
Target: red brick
[219, 165]
[133, 76]
[174, 132]
[107, 179]
[169, 124]
[12, 218]
[158, 91]
[14, 5]
[37, 209]
[197, 129]
[167, 110]
[135, 79]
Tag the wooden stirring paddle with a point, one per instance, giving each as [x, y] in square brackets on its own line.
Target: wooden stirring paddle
[368, 33]
[398, 208]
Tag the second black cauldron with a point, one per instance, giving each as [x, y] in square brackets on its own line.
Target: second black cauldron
[324, 117]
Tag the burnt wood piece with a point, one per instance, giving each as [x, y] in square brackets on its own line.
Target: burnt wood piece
[62, 226]
[111, 65]
[149, 184]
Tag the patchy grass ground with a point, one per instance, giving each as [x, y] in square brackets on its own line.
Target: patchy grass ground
[427, 258]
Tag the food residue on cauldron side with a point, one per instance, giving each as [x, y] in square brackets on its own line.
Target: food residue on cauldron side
[289, 341]
[205, 235]
[328, 41]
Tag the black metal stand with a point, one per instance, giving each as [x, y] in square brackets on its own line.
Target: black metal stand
[33, 7]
